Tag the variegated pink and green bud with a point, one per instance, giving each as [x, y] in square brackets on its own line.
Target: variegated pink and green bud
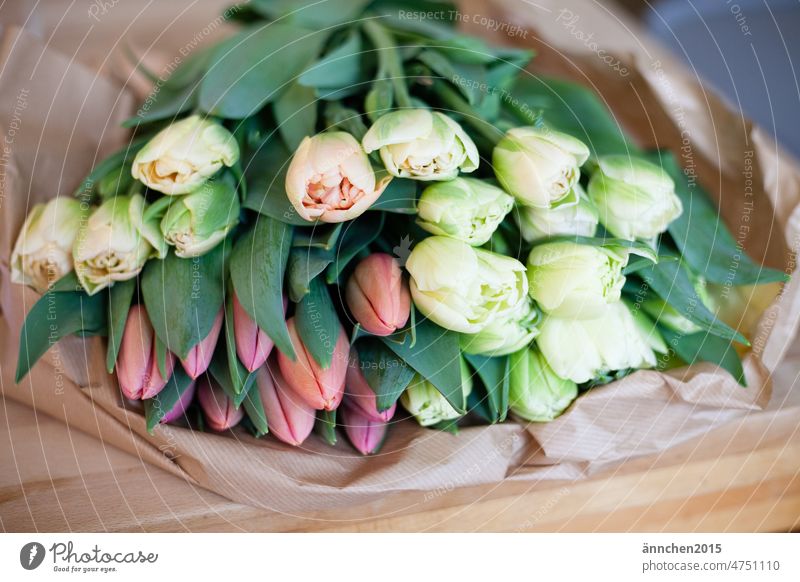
[218, 409]
[378, 296]
[359, 394]
[199, 358]
[289, 417]
[137, 364]
[183, 403]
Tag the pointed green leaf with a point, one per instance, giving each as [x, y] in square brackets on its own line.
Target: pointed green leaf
[317, 323]
[121, 295]
[386, 373]
[155, 408]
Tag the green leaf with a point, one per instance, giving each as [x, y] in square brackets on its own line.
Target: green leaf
[237, 373]
[704, 347]
[304, 265]
[386, 373]
[121, 295]
[258, 264]
[164, 103]
[184, 296]
[436, 356]
[379, 99]
[55, 315]
[450, 426]
[220, 369]
[155, 408]
[345, 119]
[326, 426]
[494, 376]
[250, 69]
[357, 235]
[319, 236]
[616, 245]
[120, 158]
[296, 114]
[317, 323]
[399, 196]
[254, 408]
[341, 67]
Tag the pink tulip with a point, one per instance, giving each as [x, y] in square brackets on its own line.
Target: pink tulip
[137, 364]
[378, 296]
[321, 388]
[218, 409]
[253, 345]
[289, 418]
[365, 434]
[199, 358]
[360, 395]
[181, 405]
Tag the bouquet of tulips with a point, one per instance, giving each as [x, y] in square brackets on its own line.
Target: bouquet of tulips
[346, 205]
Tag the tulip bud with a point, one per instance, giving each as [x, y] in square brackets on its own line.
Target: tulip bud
[536, 393]
[182, 156]
[199, 357]
[137, 365]
[539, 166]
[576, 219]
[321, 388]
[289, 418]
[422, 145]
[668, 316]
[568, 279]
[43, 251]
[582, 349]
[330, 178]
[427, 404]
[378, 296]
[636, 199]
[504, 335]
[462, 288]
[217, 407]
[253, 345]
[360, 395]
[194, 224]
[463, 208]
[183, 403]
[115, 243]
[365, 433]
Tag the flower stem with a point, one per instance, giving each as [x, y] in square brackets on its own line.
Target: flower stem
[389, 60]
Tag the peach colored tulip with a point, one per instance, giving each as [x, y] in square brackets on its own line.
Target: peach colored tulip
[137, 364]
[365, 434]
[378, 296]
[253, 345]
[289, 418]
[199, 358]
[218, 409]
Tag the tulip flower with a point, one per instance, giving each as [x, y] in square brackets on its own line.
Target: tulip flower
[536, 393]
[464, 208]
[575, 219]
[137, 364]
[568, 279]
[289, 418]
[115, 242]
[462, 288]
[43, 251]
[636, 199]
[427, 404]
[504, 335]
[365, 433]
[183, 403]
[217, 407]
[378, 296]
[321, 388]
[539, 166]
[422, 145]
[359, 394]
[583, 349]
[253, 345]
[182, 156]
[331, 179]
[199, 358]
[194, 224]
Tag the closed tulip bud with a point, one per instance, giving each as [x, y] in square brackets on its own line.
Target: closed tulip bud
[668, 316]
[194, 224]
[182, 156]
[115, 243]
[199, 358]
[378, 296]
[462, 288]
[218, 409]
[539, 166]
[137, 364]
[504, 335]
[464, 208]
[331, 179]
[568, 279]
[576, 219]
[636, 199]
[288, 416]
[253, 345]
[43, 251]
[426, 403]
[180, 407]
[536, 392]
[365, 433]
[422, 145]
[582, 349]
[321, 388]
[360, 395]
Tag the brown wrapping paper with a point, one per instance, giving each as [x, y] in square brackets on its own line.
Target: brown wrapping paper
[64, 116]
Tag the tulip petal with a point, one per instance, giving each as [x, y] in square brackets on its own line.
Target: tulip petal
[289, 418]
[218, 409]
[365, 434]
[199, 358]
